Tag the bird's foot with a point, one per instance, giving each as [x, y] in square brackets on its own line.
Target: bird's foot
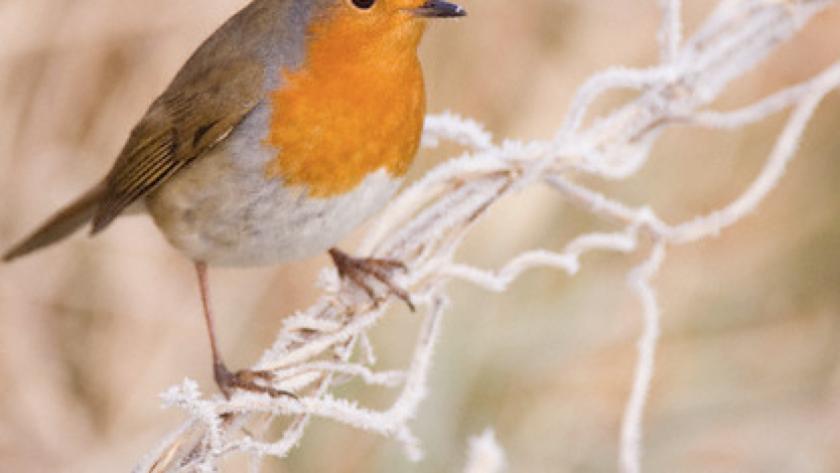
[358, 270]
[247, 380]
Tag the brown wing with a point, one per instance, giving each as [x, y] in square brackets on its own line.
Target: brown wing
[205, 102]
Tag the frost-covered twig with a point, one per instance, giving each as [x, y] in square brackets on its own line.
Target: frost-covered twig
[328, 343]
[631, 431]
[485, 454]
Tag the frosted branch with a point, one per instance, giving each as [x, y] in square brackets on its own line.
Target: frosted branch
[485, 454]
[631, 430]
[670, 33]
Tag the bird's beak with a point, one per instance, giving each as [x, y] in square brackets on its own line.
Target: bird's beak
[439, 9]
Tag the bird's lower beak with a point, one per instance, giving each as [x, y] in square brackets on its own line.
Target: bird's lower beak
[439, 9]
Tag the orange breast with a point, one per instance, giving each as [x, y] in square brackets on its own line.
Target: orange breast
[354, 107]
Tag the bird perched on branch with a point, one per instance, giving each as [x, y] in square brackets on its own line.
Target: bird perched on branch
[287, 128]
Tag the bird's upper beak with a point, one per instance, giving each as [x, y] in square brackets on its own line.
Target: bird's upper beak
[439, 9]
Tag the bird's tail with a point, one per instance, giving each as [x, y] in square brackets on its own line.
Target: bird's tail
[62, 224]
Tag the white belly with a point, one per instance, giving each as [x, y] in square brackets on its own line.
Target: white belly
[221, 210]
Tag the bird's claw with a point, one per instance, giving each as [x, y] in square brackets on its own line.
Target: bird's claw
[358, 269]
[246, 380]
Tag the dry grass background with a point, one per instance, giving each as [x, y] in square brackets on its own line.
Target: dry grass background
[748, 378]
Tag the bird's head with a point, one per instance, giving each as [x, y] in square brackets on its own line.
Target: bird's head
[398, 23]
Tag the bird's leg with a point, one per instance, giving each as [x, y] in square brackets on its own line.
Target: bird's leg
[225, 379]
[358, 269]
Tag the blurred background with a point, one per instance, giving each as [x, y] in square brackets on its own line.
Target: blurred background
[747, 374]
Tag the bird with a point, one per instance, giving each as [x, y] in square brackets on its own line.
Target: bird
[286, 129]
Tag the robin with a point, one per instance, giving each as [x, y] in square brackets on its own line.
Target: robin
[286, 129]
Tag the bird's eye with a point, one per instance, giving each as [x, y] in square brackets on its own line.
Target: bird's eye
[363, 4]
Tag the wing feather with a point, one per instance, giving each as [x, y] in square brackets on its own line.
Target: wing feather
[199, 110]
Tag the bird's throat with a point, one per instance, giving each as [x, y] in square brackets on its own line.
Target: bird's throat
[356, 105]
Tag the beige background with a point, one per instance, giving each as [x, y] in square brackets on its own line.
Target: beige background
[748, 380]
